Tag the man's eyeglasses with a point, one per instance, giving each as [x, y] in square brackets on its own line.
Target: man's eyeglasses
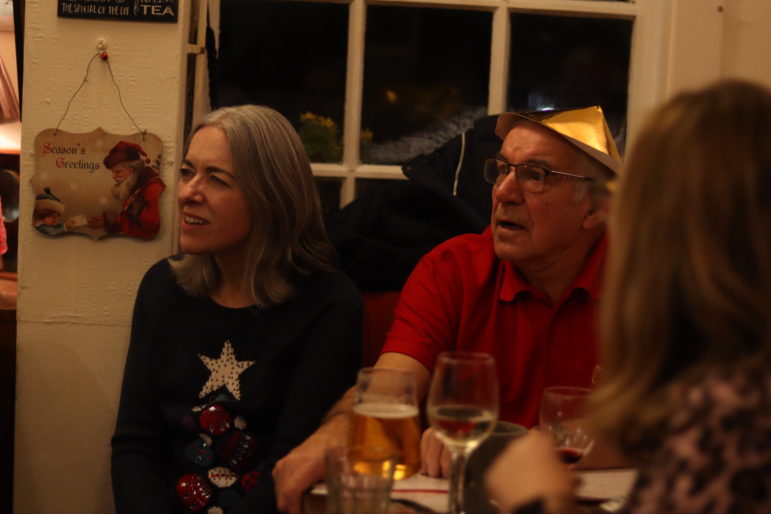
[531, 177]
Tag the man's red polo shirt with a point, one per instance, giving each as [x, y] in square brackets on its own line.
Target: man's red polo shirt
[460, 296]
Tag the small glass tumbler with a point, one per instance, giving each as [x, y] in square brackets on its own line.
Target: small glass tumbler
[359, 479]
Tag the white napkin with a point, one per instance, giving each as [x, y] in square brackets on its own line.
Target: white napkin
[604, 484]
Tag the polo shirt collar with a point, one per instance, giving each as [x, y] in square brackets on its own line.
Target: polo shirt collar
[589, 279]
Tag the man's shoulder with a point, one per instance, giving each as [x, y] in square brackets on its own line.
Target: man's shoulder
[465, 247]
[465, 259]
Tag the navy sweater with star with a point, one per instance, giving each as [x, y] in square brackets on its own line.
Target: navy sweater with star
[213, 396]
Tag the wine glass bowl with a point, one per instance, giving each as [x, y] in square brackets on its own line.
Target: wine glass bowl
[562, 415]
[463, 426]
[462, 409]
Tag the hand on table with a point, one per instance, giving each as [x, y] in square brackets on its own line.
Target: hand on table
[304, 466]
[434, 455]
[528, 470]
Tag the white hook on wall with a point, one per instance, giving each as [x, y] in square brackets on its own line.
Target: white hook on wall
[101, 44]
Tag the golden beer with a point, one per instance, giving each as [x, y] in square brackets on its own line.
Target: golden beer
[393, 426]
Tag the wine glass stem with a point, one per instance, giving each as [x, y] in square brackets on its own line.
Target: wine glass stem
[457, 474]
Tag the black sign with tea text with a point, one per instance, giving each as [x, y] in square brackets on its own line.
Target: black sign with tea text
[126, 10]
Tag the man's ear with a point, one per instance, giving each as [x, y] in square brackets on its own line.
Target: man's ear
[598, 213]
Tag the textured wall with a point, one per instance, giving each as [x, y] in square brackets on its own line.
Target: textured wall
[747, 40]
[75, 294]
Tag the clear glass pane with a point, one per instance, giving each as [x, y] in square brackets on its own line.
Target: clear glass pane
[425, 78]
[563, 62]
[290, 56]
[329, 193]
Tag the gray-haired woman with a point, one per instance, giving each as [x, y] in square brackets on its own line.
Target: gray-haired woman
[240, 344]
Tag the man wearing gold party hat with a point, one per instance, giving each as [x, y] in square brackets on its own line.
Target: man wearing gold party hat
[526, 290]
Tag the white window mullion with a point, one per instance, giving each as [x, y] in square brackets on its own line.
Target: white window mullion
[581, 7]
[499, 61]
[380, 171]
[452, 4]
[354, 86]
[201, 104]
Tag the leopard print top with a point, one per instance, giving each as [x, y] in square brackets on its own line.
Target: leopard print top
[717, 456]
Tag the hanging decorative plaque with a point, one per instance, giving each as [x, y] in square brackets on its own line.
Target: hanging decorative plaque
[97, 183]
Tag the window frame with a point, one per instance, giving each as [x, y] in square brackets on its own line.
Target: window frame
[665, 57]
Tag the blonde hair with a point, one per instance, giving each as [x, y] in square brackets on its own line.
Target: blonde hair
[288, 236]
[688, 292]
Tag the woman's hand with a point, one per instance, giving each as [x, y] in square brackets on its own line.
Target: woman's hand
[529, 470]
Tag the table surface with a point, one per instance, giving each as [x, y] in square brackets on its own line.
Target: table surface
[423, 494]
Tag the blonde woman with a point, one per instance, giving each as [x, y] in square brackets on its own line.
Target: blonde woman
[240, 344]
[686, 319]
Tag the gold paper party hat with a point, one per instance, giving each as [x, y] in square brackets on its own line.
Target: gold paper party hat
[584, 128]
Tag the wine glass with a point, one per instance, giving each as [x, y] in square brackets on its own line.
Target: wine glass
[562, 415]
[462, 408]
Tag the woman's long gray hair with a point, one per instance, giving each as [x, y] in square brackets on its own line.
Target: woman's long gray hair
[274, 174]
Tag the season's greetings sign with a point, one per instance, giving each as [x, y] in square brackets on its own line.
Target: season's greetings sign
[97, 184]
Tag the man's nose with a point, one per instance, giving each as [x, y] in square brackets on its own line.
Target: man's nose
[509, 189]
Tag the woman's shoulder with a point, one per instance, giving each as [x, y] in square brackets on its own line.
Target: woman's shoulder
[160, 271]
[715, 397]
[716, 451]
[159, 280]
[726, 390]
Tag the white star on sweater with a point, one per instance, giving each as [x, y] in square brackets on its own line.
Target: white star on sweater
[225, 371]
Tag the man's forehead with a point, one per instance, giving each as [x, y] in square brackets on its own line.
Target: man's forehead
[530, 141]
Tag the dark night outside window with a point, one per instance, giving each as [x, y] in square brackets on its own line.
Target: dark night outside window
[426, 73]
[290, 56]
[562, 62]
[424, 79]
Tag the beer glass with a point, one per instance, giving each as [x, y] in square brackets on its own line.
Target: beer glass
[385, 414]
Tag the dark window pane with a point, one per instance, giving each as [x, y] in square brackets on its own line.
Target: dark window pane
[425, 79]
[329, 193]
[290, 56]
[563, 62]
[365, 186]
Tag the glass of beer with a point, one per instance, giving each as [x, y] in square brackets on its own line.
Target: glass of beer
[385, 414]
